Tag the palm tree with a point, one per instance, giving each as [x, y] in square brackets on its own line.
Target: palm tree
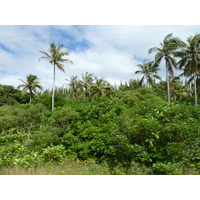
[149, 69]
[178, 91]
[131, 85]
[75, 87]
[101, 87]
[189, 60]
[87, 84]
[55, 57]
[166, 51]
[32, 83]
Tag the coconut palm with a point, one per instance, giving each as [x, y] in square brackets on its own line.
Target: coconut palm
[87, 83]
[55, 57]
[75, 87]
[32, 83]
[166, 51]
[149, 69]
[178, 91]
[190, 60]
[101, 87]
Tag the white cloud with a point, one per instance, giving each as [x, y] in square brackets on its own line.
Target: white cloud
[111, 52]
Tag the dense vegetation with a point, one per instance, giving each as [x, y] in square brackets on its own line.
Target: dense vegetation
[134, 132]
[135, 128]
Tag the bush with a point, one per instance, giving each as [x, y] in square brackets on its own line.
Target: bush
[47, 102]
[63, 117]
[54, 154]
[44, 137]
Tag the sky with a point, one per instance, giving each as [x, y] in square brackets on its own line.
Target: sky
[111, 52]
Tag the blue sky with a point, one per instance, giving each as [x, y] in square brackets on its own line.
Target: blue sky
[109, 51]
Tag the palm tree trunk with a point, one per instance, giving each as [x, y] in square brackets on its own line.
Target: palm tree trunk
[168, 87]
[195, 89]
[31, 94]
[53, 91]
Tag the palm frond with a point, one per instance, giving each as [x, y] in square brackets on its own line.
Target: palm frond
[154, 49]
[60, 66]
[169, 36]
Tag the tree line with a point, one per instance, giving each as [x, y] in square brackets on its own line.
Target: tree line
[171, 49]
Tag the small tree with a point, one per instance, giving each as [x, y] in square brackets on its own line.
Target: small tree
[32, 83]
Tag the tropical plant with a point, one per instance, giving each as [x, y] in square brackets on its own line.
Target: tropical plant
[149, 69]
[101, 87]
[168, 48]
[87, 83]
[55, 57]
[32, 83]
[178, 91]
[75, 88]
[189, 60]
[130, 85]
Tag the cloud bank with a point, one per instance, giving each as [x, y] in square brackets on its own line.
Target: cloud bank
[111, 52]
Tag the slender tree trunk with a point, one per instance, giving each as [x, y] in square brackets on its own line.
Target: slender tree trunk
[195, 89]
[30, 97]
[31, 94]
[168, 88]
[53, 91]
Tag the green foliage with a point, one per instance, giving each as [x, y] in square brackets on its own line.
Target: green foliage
[54, 154]
[44, 137]
[63, 117]
[11, 96]
[26, 118]
[59, 101]
[12, 144]
[136, 132]
[167, 168]
[29, 160]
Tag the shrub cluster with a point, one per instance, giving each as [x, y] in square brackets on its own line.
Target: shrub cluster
[136, 132]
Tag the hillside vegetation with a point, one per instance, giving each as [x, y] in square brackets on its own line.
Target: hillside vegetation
[146, 126]
[134, 132]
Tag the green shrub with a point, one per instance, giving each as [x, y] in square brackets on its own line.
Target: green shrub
[42, 138]
[28, 161]
[63, 117]
[47, 102]
[54, 154]
[167, 168]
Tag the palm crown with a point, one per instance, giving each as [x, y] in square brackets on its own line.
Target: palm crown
[32, 83]
[149, 69]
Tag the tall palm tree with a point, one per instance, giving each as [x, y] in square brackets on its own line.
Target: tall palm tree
[149, 69]
[55, 57]
[166, 51]
[190, 60]
[32, 83]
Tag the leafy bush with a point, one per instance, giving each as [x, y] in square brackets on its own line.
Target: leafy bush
[44, 137]
[47, 102]
[63, 117]
[12, 144]
[54, 154]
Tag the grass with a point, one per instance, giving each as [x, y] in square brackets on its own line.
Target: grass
[68, 168]
[73, 167]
